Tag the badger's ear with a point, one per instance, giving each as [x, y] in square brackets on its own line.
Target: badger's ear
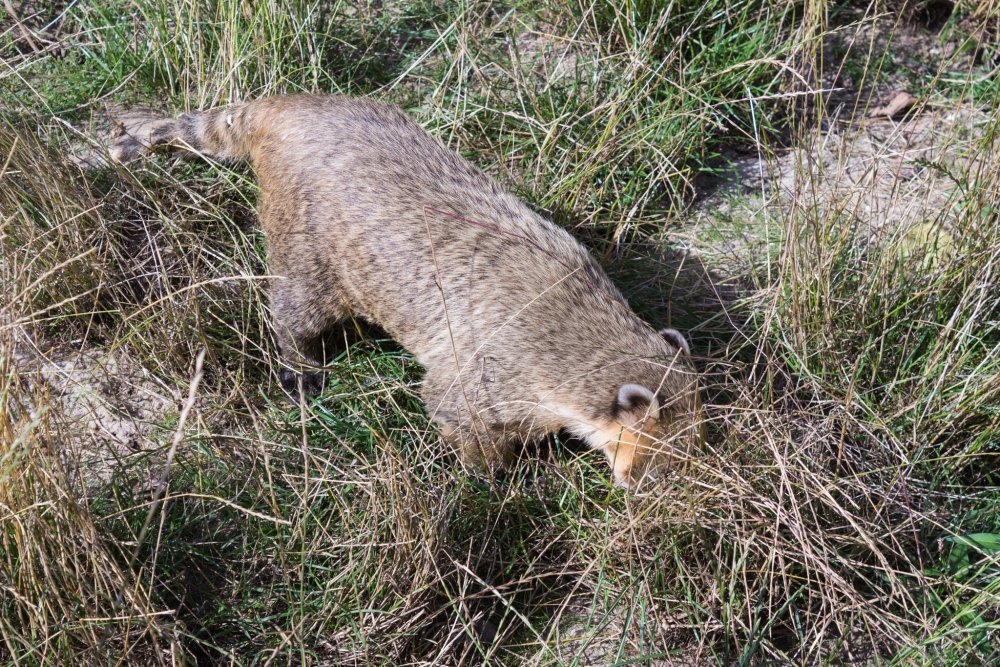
[636, 401]
[677, 339]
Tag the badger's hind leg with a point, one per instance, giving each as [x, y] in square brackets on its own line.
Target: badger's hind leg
[301, 320]
[302, 361]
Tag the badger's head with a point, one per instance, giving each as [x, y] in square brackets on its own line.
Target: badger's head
[652, 420]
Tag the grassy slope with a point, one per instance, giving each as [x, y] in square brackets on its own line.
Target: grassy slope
[853, 433]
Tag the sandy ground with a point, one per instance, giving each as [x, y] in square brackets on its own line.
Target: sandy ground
[110, 409]
[886, 156]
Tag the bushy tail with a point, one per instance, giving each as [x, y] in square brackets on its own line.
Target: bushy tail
[222, 134]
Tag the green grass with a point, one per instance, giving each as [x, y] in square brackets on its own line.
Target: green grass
[845, 506]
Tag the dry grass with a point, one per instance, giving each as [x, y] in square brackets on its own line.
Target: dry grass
[843, 510]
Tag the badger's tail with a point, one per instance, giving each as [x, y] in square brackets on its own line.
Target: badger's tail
[221, 134]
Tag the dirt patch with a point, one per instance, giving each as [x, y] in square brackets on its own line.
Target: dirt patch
[880, 164]
[593, 638]
[545, 58]
[887, 146]
[31, 26]
[887, 175]
[108, 409]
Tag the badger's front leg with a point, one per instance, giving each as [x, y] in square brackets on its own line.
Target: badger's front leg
[466, 426]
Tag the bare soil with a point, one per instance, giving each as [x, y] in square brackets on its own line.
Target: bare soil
[111, 409]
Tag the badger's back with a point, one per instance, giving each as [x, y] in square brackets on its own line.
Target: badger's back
[361, 205]
[417, 236]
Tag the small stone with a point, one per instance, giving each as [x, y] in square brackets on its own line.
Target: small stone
[899, 103]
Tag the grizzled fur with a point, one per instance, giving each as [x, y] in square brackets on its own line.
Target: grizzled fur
[520, 331]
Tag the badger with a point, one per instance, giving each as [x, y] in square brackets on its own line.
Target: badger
[519, 330]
